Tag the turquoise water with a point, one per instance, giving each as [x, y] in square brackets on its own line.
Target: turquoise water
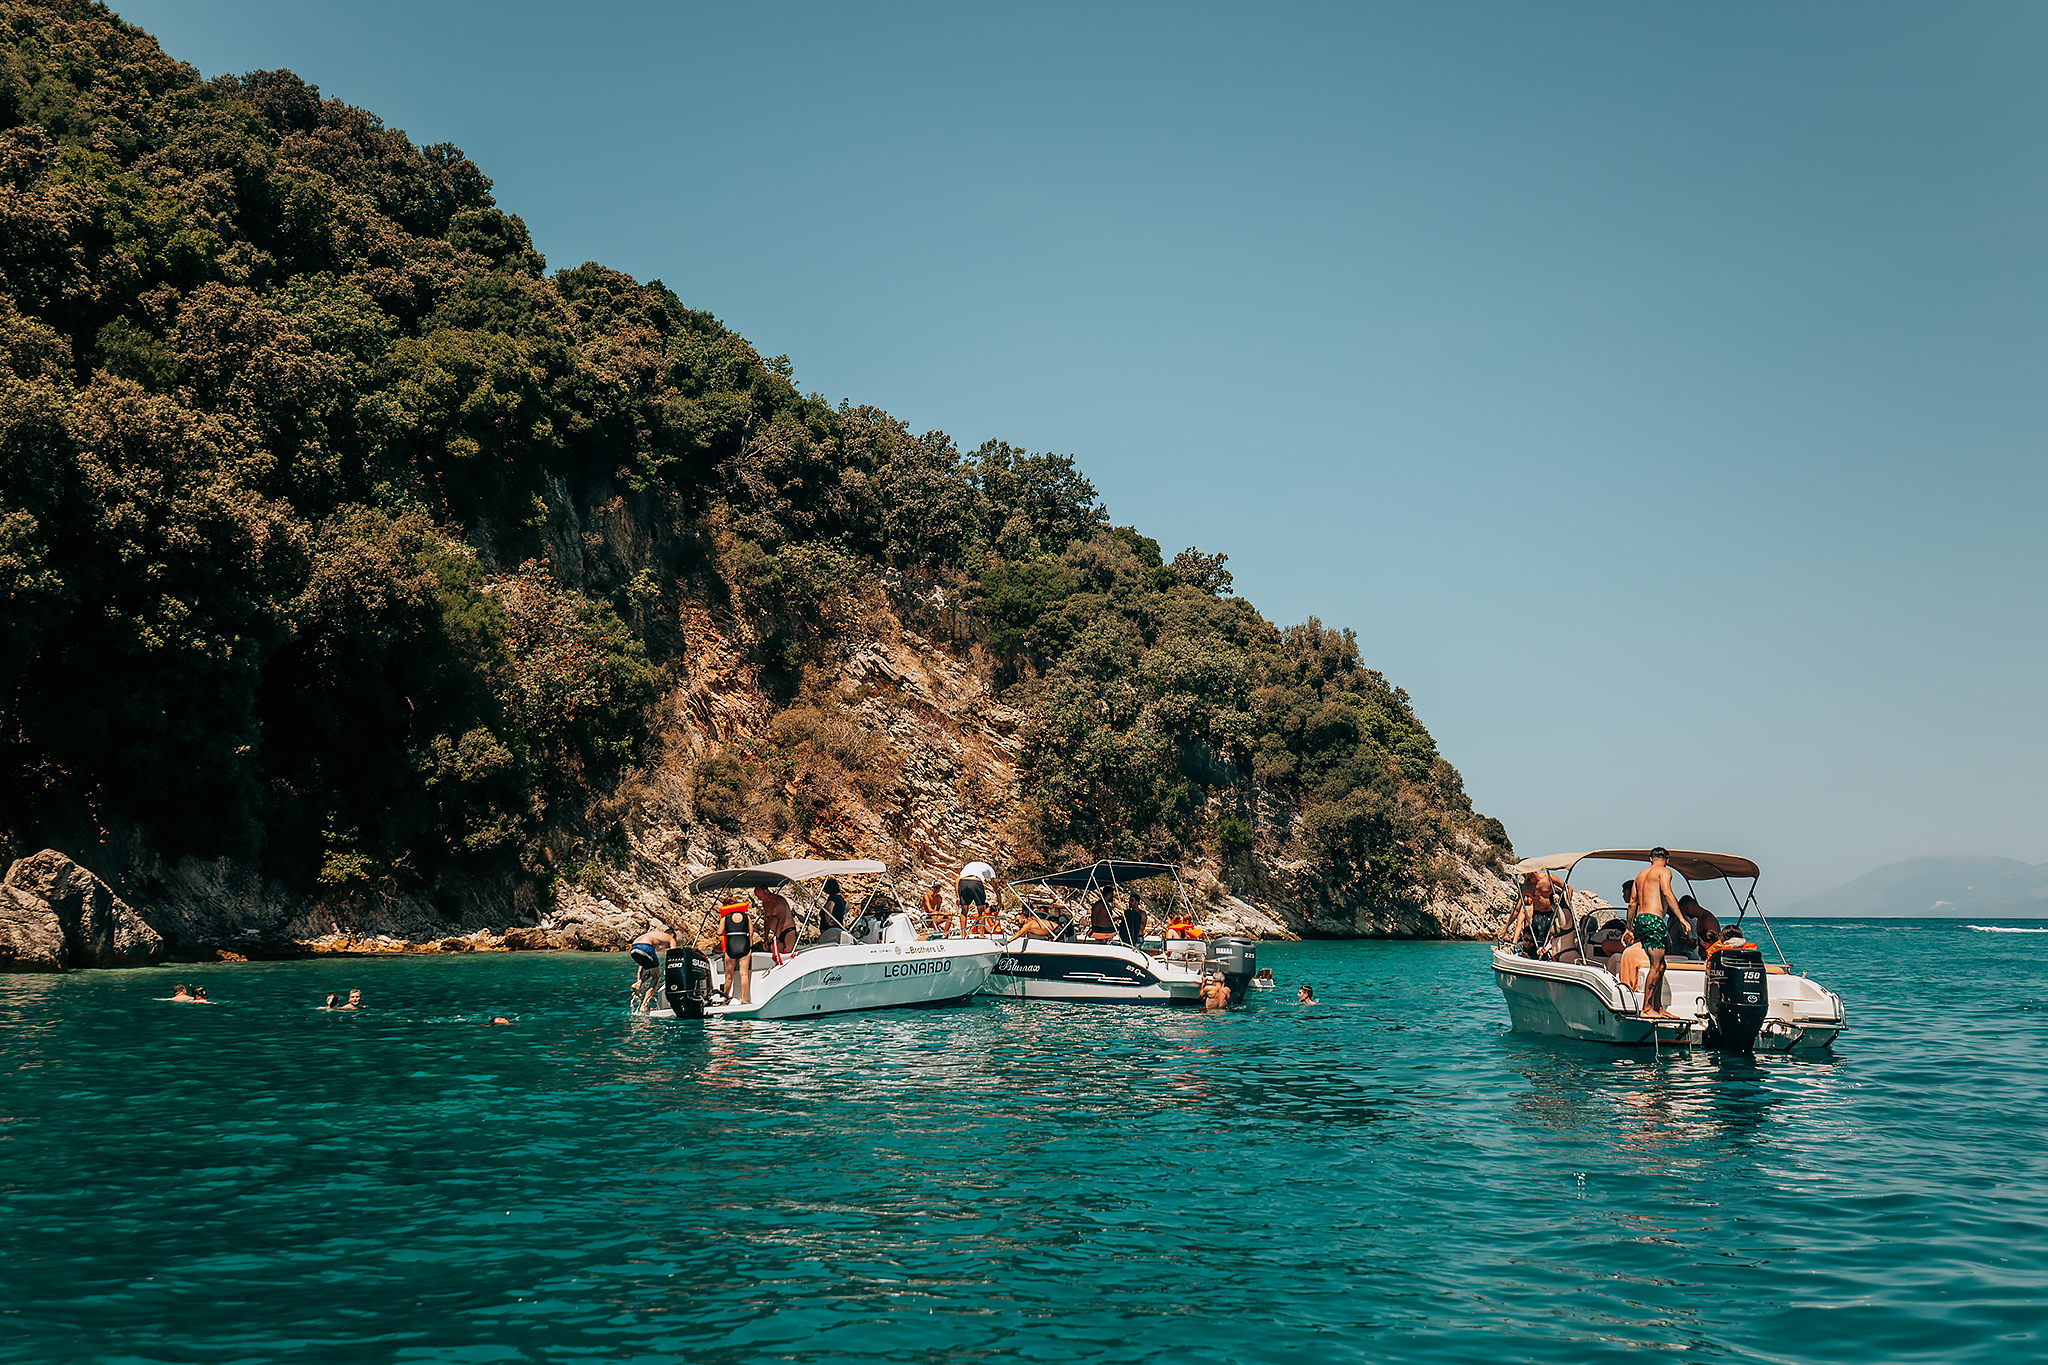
[1390, 1175]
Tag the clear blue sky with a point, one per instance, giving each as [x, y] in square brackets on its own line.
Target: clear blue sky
[1659, 390]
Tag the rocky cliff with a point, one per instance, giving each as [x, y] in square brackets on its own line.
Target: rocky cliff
[896, 747]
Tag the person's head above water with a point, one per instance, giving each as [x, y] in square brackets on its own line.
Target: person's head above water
[333, 999]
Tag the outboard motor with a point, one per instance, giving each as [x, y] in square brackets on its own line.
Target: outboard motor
[687, 982]
[1238, 960]
[1738, 998]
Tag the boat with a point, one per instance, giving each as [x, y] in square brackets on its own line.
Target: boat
[882, 960]
[1734, 1000]
[1070, 966]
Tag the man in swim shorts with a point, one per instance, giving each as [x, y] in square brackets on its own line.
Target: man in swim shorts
[1653, 902]
[973, 889]
[1544, 898]
[646, 954]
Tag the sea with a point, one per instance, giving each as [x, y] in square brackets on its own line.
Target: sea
[1390, 1174]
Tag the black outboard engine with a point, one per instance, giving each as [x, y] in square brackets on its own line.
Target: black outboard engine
[1738, 998]
[687, 983]
[1237, 959]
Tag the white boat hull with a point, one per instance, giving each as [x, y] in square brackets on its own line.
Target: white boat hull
[844, 977]
[1568, 1000]
[1103, 973]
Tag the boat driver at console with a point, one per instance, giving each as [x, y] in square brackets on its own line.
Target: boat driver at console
[1654, 903]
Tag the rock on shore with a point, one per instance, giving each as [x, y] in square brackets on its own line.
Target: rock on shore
[55, 914]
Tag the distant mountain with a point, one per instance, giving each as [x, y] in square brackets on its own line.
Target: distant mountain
[1945, 884]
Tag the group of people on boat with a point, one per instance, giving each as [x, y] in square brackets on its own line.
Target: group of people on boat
[737, 936]
[1656, 927]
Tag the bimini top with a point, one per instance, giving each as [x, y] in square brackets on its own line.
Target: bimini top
[1694, 867]
[788, 870]
[1108, 872]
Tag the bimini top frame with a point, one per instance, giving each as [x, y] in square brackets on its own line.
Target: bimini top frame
[1104, 875]
[1687, 863]
[791, 870]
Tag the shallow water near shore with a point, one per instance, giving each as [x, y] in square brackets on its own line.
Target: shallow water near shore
[1389, 1175]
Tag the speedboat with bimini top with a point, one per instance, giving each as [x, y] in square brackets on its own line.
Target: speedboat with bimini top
[873, 958]
[1572, 978]
[1075, 943]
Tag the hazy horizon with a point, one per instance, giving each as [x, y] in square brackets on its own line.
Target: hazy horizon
[1655, 390]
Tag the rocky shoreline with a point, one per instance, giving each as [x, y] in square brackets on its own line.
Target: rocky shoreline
[56, 914]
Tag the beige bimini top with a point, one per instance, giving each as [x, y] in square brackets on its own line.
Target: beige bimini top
[1694, 867]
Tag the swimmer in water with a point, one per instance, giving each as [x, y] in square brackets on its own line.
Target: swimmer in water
[181, 994]
[1307, 994]
[355, 1001]
[501, 1019]
[199, 996]
[333, 1001]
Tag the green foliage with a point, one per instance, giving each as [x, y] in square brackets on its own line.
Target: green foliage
[721, 791]
[273, 379]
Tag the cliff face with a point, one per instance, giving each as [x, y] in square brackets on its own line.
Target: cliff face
[364, 583]
[897, 747]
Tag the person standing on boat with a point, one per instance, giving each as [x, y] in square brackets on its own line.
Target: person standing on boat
[1654, 903]
[1703, 929]
[1543, 896]
[973, 889]
[738, 942]
[1134, 920]
[778, 924]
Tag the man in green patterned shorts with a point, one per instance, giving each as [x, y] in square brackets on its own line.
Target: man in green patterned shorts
[1652, 897]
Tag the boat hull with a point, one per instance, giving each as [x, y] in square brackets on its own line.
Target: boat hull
[849, 977]
[1567, 1000]
[1098, 973]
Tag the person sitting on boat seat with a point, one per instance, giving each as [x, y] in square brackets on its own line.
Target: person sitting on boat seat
[1730, 937]
[1608, 942]
[1102, 917]
[1634, 960]
[1134, 919]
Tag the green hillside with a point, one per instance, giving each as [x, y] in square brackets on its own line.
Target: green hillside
[280, 386]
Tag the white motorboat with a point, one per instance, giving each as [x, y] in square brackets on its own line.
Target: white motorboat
[1120, 967]
[1733, 1000]
[882, 960]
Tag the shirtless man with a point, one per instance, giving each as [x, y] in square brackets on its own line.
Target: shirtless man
[1215, 993]
[646, 954]
[1653, 901]
[778, 924]
[1542, 897]
[935, 909]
